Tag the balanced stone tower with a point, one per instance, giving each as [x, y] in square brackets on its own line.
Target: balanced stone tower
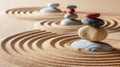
[92, 34]
[70, 17]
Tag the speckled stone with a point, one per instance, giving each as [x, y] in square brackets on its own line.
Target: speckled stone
[71, 6]
[92, 34]
[96, 22]
[66, 22]
[92, 46]
[70, 16]
[53, 5]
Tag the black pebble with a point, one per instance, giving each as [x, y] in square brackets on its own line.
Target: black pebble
[96, 22]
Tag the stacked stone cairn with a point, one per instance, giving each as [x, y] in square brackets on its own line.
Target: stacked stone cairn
[92, 35]
[70, 17]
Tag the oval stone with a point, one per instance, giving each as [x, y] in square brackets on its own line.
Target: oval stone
[71, 6]
[68, 22]
[50, 10]
[92, 15]
[53, 5]
[70, 11]
[96, 22]
[92, 46]
[70, 16]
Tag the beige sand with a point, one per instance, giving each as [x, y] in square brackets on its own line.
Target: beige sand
[31, 13]
[8, 26]
[39, 48]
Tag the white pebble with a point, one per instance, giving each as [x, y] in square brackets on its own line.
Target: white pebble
[91, 46]
[70, 16]
[86, 21]
[66, 22]
[49, 10]
[53, 5]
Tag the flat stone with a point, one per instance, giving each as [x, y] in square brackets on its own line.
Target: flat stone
[92, 15]
[50, 9]
[66, 22]
[92, 46]
[71, 6]
[53, 5]
[70, 16]
[71, 11]
[96, 22]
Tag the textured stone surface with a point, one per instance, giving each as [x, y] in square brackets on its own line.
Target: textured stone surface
[96, 22]
[91, 46]
[92, 34]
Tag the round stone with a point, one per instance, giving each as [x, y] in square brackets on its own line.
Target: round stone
[96, 22]
[71, 6]
[92, 15]
[50, 9]
[66, 22]
[86, 21]
[71, 11]
[53, 5]
[70, 16]
[92, 34]
[92, 46]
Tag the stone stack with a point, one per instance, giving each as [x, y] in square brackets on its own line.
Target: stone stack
[70, 16]
[92, 34]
